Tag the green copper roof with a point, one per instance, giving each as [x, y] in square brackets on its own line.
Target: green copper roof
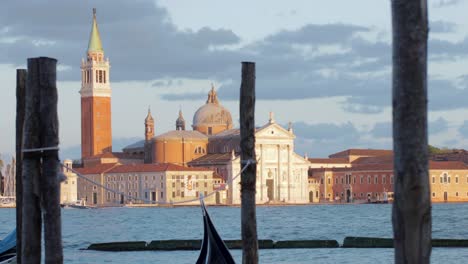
[94, 38]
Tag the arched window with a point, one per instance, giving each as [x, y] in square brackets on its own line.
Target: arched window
[445, 178]
[199, 150]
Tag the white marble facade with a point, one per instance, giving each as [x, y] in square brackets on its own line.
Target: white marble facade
[281, 173]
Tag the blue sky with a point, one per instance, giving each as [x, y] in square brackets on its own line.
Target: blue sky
[323, 65]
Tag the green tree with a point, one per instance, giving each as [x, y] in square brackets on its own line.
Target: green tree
[1, 175]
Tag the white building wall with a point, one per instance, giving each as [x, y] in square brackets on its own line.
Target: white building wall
[280, 172]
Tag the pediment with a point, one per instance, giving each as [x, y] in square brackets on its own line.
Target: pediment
[273, 131]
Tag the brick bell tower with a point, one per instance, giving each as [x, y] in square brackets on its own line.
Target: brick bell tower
[96, 130]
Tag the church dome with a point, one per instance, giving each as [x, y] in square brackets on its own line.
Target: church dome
[212, 117]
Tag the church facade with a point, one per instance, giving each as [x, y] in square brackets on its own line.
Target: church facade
[282, 175]
[211, 144]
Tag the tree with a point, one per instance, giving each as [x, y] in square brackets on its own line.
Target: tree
[1, 175]
[411, 215]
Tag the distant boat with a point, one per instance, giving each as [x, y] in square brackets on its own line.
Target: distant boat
[79, 204]
[7, 201]
[8, 249]
[213, 249]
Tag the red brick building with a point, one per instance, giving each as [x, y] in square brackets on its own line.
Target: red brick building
[96, 129]
[370, 179]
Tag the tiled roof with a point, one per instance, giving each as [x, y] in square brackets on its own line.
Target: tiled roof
[216, 158]
[137, 145]
[447, 165]
[433, 165]
[98, 169]
[235, 132]
[373, 160]
[175, 134]
[363, 152]
[328, 160]
[128, 168]
[153, 168]
[112, 155]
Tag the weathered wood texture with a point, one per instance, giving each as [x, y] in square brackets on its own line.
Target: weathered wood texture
[21, 75]
[32, 221]
[411, 215]
[248, 177]
[41, 183]
[50, 185]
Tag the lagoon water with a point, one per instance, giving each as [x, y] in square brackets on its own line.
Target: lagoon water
[83, 227]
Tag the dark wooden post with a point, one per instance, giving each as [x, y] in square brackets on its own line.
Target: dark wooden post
[50, 184]
[41, 183]
[21, 75]
[248, 177]
[412, 205]
[32, 221]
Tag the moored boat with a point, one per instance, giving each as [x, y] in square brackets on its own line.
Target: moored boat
[8, 249]
[213, 249]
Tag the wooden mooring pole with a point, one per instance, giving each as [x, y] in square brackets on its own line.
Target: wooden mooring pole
[41, 164]
[411, 216]
[248, 177]
[21, 75]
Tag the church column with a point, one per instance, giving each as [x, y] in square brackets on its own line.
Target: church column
[279, 174]
[289, 173]
[261, 172]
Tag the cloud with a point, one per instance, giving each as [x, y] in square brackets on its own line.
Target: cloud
[382, 130]
[142, 42]
[438, 126]
[323, 139]
[313, 61]
[326, 131]
[440, 26]
[385, 129]
[463, 129]
[317, 34]
[445, 3]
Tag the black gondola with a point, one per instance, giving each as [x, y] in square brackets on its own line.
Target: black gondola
[8, 249]
[213, 249]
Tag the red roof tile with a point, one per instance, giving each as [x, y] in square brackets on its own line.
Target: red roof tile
[328, 160]
[388, 166]
[113, 155]
[447, 165]
[128, 168]
[98, 169]
[373, 160]
[363, 152]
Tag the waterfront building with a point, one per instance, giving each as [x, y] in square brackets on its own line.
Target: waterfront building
[371, 178]
[281, 173]
[69, 185]
[144, 184]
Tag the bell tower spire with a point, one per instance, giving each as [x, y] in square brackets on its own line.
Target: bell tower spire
[149, 126]
[96, 134]
[95, 44]
[180, 122]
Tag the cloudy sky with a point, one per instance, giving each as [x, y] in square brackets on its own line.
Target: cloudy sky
[325, 66]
